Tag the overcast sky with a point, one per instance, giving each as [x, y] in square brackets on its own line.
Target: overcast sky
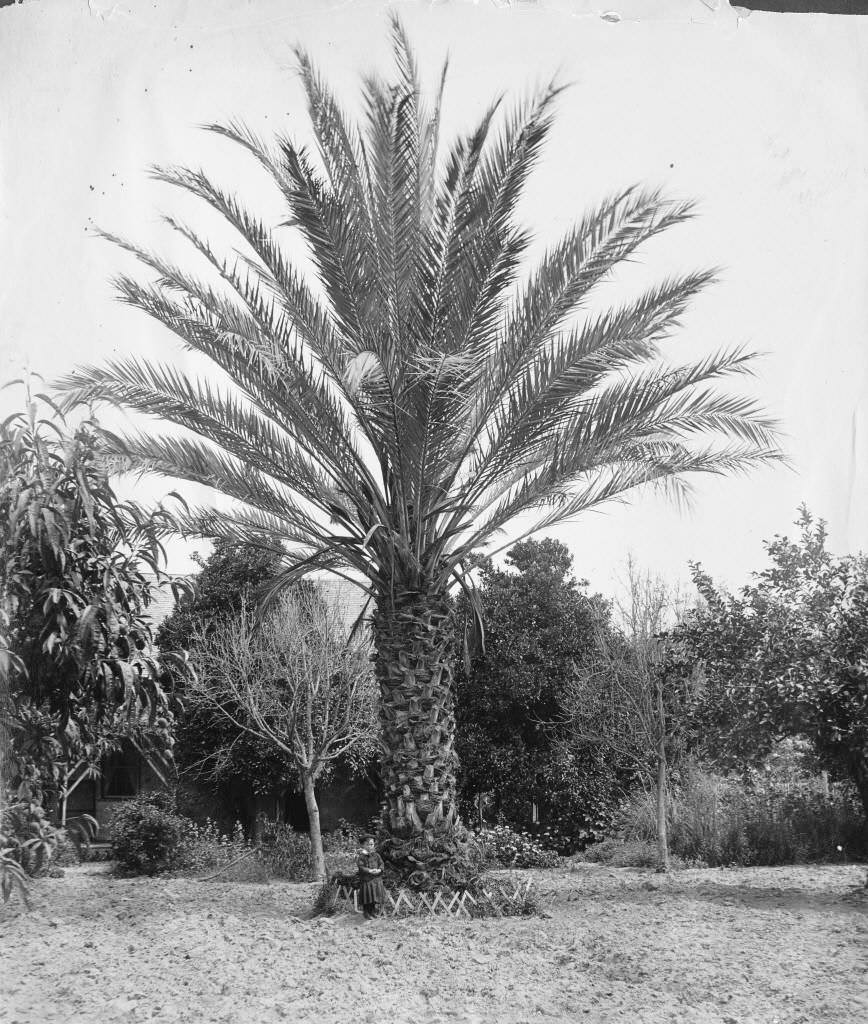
[761, 119]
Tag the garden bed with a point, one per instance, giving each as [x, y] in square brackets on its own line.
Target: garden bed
[713, 946]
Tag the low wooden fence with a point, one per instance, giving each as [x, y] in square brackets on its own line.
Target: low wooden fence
[407, 903]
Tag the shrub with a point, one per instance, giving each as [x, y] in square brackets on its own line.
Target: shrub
[27, 837]
[341, 848]
[719, 821]
[67, 852]
[287, 854]
[204, 846]
[500, 902]
[12, 877]
[620, 853]
[507, 848]
[283, 853]
[147, 834]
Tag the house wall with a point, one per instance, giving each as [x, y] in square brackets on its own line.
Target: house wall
[355, 801]
[88, 797]
[108, 807]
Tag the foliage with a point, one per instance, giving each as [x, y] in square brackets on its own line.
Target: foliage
[787, 656]
[231, 574]
[499, 900]
[204, 846]
[147, 834]
[74, 595]
[391, 413]
[280, 853]
[31, 845]
[68, 851]
[510, 849]
[622, 853]
[539, 627]
[289, 854]
[719, 821]
[12, 876]
[342, 846]
[28, 835]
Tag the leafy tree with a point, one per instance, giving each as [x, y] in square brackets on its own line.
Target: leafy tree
[539, 626]
[786, 657]
[293, 681]
[392, 415]
[230, 575]
[78, 675]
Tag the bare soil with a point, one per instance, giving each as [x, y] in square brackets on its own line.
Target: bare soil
[746, 946]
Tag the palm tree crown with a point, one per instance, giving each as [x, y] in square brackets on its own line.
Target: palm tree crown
[392, 416]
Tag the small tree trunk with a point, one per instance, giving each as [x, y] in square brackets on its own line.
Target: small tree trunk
[260, 816]
[662, 828]
[317, 854]
[65, 798]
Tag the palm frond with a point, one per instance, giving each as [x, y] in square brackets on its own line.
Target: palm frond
[405, 407]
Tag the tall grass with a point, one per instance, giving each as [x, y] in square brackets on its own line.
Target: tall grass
[721, 821]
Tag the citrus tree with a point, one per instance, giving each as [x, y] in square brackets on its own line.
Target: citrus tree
[514, 752]
[787, 656]
[392, 412]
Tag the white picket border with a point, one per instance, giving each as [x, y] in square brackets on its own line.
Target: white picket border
[409, 903]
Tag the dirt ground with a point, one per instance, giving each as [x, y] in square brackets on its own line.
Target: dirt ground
[748, 946]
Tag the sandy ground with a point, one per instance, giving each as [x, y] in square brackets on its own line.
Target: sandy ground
[750, 946]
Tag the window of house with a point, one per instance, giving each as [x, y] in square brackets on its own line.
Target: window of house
[121, 775]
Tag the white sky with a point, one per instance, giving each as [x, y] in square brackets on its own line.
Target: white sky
[762, 119]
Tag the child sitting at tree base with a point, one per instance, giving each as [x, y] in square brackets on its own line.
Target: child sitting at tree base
[372, 894]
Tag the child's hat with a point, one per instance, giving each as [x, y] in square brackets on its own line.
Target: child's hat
[367, 837]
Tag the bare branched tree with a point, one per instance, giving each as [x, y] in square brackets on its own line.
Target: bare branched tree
[627, 700]
[294, 679]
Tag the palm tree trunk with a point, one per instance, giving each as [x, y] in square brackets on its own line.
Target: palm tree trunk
[317, 855]
[414, 660]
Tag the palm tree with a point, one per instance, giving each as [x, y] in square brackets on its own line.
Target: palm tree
[391, 414]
